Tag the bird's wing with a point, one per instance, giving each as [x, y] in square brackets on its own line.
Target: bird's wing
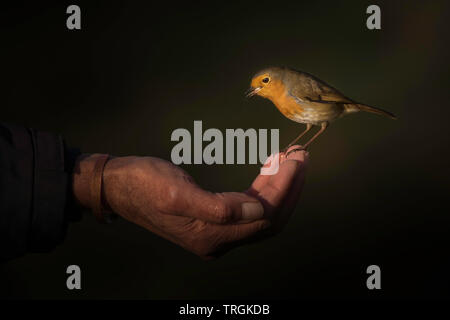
[310, 89]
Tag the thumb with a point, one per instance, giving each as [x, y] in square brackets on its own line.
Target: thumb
[221, 208]
[243, 208]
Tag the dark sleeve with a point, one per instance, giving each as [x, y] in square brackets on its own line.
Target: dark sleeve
[36, 202]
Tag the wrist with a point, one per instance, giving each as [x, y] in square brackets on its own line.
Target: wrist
[82, 179]
[117, 179]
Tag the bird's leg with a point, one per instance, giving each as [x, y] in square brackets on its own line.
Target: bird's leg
[308, 127]
[323, 126]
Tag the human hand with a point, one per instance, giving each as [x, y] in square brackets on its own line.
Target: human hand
[164, 199]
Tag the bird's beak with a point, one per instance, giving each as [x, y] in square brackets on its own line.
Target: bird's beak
[252, 91]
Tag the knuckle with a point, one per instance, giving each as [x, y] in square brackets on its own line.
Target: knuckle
[170, 199]
[222, 212]
[199, 228]
[172, 194]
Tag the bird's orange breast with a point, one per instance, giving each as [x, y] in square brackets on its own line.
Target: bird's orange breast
[284, 102]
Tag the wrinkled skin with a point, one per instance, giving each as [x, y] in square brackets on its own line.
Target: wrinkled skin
[164, 199]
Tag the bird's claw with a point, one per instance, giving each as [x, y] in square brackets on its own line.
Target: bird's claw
[294, 150]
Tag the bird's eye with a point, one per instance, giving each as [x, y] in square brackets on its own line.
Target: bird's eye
[265, 80]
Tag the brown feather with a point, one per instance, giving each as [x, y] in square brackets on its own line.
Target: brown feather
[370, 109]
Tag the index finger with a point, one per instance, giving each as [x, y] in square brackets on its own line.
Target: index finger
[261, 179]
[273, 191]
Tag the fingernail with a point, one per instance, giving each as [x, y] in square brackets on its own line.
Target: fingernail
[252, 211]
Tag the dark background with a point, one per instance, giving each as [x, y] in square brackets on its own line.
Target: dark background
[377, 190]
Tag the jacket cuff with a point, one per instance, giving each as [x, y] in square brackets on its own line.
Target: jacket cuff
[51, 191]
[73, 211]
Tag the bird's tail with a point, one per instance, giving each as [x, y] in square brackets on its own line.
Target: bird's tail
[355, 107]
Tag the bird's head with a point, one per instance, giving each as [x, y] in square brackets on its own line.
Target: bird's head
[267, 83]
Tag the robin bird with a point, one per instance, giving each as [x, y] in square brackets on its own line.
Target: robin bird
[306, 99]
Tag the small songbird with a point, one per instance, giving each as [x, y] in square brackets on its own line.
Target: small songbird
[303, 98]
